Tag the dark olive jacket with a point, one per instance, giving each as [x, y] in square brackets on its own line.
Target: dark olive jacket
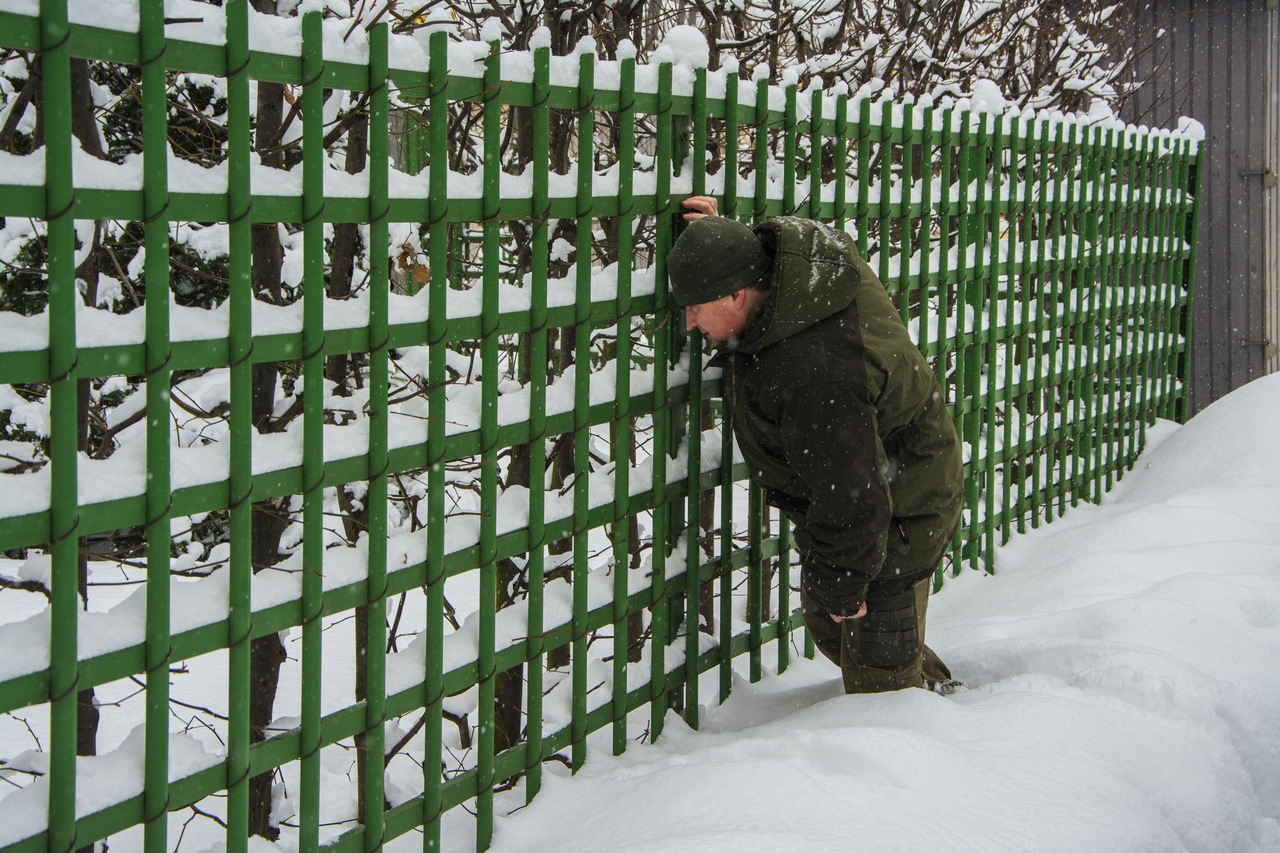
[841, 419]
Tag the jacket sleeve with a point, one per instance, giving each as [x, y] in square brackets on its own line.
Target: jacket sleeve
[828, 434]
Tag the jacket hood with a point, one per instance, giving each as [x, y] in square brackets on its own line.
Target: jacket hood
[815, 274]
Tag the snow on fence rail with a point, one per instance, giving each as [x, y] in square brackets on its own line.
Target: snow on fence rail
[1043, 263]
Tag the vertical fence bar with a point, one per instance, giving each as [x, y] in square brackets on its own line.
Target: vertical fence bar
[904, 221]
[1088, 233]
[1029, 374]
[664, 414]
[379, 379]
[725, 568]
[1184, 315]
[1168, 269]
[1133, 289]
[1108, 285]
[1059, 365]
[945, 183]
[1161, 273]
[313, 297]
[885, 202]
[486, 659]
[64, 511]
[693, 549]
[698, 154]
[1166, 159]
[840, 191]
[863, 209]
[726, 429]
[155, 204]
[1164, 231]
[582, 405]
[1126, 227]
[784, 593]
[987, 293]
[1079, 314]
[1042, 382]
[731, 130]
[538, 416]
[1095, 332]
[240, 349]
[678, 347]
[950, 339]
[622, 438]
[1125, 283]
[1146, 266]
[437, 406]
[790, 132]
[927, 280]
[1177, 222]
[760, 201]
[968, 346]
[1002, 254]
[706, 593]
[815, 155]
[755, 586]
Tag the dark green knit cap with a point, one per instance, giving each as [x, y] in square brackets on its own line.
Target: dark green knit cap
[715, 256]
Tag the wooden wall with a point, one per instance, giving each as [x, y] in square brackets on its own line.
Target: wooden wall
[1219, 62]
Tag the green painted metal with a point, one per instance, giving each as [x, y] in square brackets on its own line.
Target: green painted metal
[374, 740]
[666, 318]
[623, 441]
[155, 200]
[1048, 281]
[581, 409]
[240, 346]
[313, 299]
[64, 514]
[486, 665]
[433, 798]
[537, 419]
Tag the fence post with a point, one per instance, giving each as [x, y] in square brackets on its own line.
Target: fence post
[665, 525]
[64, 510]
[155, 203]
[623, 443]
[240, 491]
[538, 323]
[437, 333]
[373, 741]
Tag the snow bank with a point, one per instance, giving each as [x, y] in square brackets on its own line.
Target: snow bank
[1122, 684]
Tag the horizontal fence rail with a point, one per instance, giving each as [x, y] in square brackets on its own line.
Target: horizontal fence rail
[458, 614]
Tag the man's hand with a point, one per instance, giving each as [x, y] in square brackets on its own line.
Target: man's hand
[700, 206]
[862, 611]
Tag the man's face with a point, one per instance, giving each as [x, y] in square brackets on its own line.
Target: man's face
[721, 320]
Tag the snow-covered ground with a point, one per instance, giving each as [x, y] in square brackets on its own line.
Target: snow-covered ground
[1123, 668]
[1123, 672]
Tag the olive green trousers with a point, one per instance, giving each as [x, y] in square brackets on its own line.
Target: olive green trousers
[885, 649]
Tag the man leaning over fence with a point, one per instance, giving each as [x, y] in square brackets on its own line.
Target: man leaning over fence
[842, 424]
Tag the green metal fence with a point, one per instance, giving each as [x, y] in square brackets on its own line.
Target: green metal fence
[1044, 266]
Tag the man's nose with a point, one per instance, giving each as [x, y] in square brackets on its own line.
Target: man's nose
[690, 321]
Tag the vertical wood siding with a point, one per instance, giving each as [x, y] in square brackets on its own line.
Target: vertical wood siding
[1220, 63]
[1271, 216]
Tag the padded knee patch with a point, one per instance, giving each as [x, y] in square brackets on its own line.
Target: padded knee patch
[887, 634]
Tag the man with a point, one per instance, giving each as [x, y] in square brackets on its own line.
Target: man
[843, 425]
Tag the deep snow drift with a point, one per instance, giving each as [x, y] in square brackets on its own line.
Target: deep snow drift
[1124, 695]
